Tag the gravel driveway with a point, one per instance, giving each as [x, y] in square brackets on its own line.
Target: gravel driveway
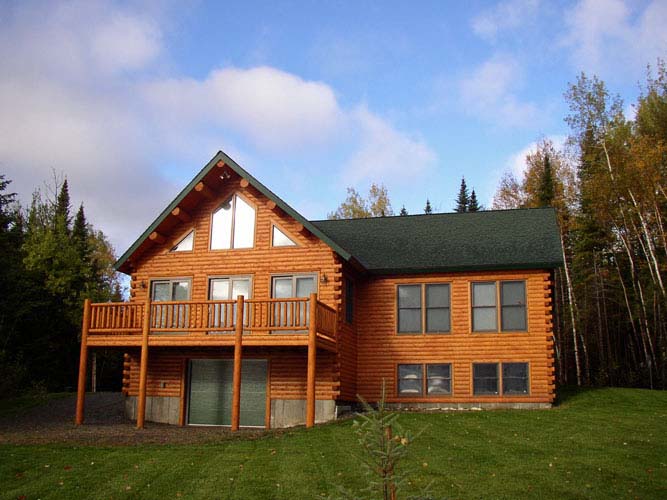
[105, 424]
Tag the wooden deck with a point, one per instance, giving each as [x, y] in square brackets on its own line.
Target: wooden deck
[268, 322]
[255, 322]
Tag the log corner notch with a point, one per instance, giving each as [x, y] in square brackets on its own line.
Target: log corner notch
[83, 362]
[312, 358]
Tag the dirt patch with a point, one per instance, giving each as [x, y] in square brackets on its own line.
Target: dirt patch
[105, 424]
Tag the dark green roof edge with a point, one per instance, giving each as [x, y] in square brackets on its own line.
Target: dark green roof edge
[220, 156]
[459, 269]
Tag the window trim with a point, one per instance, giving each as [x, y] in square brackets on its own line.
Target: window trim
[230, 277]
[524, 306]
[287, 234]
[179, 240]
[499, 306]
[423, 308]
[233, 225]
[501, 386]
[424, 381]
[170, 280]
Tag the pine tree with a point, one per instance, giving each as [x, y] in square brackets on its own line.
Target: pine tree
[546, 195]
[463, 199]
[427, 208]
[62, 208]
[403, 211]
[473, 205]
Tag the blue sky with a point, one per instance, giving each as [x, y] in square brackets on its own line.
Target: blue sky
[131, 99]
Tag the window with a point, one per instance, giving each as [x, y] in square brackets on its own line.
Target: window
[287, 287]
[280, 239]
[233, 225]
[224, 315]
[438, 379]
[186, 243]
[484, 307]
[487, 380]
[433, 317]
[515, 378]
[513, 302]
[410, 380]
[349, 300]
[170, 315]
[512, 306]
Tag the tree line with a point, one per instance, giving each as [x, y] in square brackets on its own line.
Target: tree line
[50, 261]
[607, 185]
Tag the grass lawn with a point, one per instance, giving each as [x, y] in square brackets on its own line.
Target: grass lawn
[605, 443]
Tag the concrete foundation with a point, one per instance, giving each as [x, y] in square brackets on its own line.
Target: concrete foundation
[467, 406]
[291, 412]
[163, 410]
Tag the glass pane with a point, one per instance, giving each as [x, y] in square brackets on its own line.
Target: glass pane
[409, 320]
[437, 320]
[439, 386]
[515, 370]
[483, 294]
[485, 370]
[219, 289]
[241, 287]
[305, 286]
[185, 244]
[514, 318]
[244, 225]
[515, 378]
[441, 371]
[221, 231]
[485, 386]
[484, 319]
[409, 371]
[282, 288]
[409, 296]
[513, 293]
[410, 386]
[280, 239]
[437, 295]
[181, 290]
[161, 291]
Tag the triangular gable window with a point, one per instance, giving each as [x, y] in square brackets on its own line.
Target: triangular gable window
[185, 244]
[280, 239]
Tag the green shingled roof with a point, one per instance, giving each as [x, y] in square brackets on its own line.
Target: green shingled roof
[495, 239]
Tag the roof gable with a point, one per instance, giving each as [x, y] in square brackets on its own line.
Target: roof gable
[220, 161]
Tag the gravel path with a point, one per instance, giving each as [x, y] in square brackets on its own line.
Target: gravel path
[105, 424]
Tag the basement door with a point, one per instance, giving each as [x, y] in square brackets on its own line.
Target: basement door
[210, 398]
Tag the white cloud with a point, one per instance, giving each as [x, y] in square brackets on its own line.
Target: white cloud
[506, 15]
[384, 153]
[275, 109]
[82, 92]
[489, 93]
[611, 36]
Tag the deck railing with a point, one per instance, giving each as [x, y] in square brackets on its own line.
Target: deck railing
[208, 317]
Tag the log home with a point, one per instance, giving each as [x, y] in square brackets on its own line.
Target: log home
[243, 313]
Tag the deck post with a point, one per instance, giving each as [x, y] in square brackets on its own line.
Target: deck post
[83, 361]
[143, 366]
[312, 355]
[238, 342]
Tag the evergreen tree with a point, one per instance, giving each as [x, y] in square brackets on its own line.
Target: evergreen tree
[546, 194]
[403, 211]
[473, 205]
[427, 208]
[463, 199]
[62, 208]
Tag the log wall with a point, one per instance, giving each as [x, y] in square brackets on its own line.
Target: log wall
[380, 348]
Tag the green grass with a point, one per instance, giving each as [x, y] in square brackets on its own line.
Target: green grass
[605, 443]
